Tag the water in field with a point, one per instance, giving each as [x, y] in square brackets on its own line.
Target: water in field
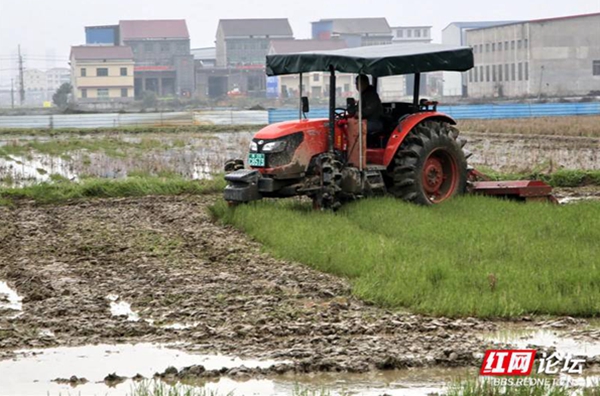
[26, 160]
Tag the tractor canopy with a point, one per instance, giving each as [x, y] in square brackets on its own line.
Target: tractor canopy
[378, 61]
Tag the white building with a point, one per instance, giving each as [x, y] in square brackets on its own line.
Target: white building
[547, 57]
[411, 34]
[455, 83]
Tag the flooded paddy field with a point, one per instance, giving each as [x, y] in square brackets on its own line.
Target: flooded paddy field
[153, 289]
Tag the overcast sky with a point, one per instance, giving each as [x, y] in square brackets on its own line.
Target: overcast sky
[47, 28]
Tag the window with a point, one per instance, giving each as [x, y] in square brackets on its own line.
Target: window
[506, 77]
[500, 73]
[499, 46]
[487, 73]
[102, 72]
[519, 44]
[481, 48]
[493, 47]
[84, 93]
[475, 74]
[481, 74]
[400, 33]
[506, 46]
[316, 77]
[123, 71]
[520, 72]
[417, 32]
[124, 92]
[83, 72]
[596, 68]
[526, 43]
[409, 33]
[526, 71]
[513, 73]
[346, 87]
[512, 44]
[494, 73]
[102, 93]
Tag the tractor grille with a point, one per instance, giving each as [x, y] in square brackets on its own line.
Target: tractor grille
[274, 160]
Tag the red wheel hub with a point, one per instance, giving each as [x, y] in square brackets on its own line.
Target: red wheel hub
[440, 176]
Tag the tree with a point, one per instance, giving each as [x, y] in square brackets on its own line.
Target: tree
[61, 97]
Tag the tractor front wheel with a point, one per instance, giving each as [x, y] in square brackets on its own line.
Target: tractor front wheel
[430, 165]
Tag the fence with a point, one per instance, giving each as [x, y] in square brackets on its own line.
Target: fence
[491, 111]
[116, 120]
[241, 117]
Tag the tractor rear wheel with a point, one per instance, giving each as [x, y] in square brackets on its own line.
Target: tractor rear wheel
[430, 165]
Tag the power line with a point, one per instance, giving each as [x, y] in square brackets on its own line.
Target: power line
[22, 90]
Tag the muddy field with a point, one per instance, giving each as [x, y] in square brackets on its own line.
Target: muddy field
[134, 286]
[159, 271]
[25, 159]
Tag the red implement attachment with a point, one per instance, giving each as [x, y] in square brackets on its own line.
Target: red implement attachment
[522, 190]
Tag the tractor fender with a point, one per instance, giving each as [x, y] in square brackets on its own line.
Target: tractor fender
[406, 125]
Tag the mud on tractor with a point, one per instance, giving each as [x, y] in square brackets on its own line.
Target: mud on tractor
[417, 155]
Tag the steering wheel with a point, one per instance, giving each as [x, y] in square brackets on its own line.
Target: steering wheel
[341, 113]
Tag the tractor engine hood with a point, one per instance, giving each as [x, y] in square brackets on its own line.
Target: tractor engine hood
[282, 129]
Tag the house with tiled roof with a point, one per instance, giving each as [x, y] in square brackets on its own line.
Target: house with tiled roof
[102, 73]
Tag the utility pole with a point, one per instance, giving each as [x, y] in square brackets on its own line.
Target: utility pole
[21, 80]
[12, 93]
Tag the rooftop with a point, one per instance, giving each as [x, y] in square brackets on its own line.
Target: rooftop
[94, 52]
[154, 29]
[544, 20]
[293, 46]
[256, 27]
[358, 25]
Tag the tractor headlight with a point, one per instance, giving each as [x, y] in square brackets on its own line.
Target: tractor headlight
[274, 147]
[253, 147]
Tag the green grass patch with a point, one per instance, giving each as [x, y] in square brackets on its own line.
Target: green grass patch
[560, 178]
[472, 256]
[109, 188]
[488, 388]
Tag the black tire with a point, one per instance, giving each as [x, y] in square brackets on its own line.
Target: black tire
[430, 165]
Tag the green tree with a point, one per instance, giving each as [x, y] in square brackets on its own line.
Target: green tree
[61, 97]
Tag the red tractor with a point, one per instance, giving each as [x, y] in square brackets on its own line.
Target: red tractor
[416, 156]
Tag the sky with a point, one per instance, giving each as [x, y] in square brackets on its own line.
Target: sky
[46, 29]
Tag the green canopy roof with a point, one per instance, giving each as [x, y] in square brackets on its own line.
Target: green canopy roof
[378, 61]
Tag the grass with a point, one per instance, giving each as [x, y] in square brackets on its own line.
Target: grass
[157, 388]
[111, 146]
[488, 388]
[130, 130]
[472, 256]
[108, 188]
[560, 178]
[587, 126]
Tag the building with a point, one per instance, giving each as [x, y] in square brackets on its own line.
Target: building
[35, 80]
[56, 77]
[205, 57]
[102, 73]
[455, 83]
[356, 32]
[161, 50]
[245, 42]
[411, 34]
[547, 57]
[315, 85]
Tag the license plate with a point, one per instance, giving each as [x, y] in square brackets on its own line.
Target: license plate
[256, 159]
